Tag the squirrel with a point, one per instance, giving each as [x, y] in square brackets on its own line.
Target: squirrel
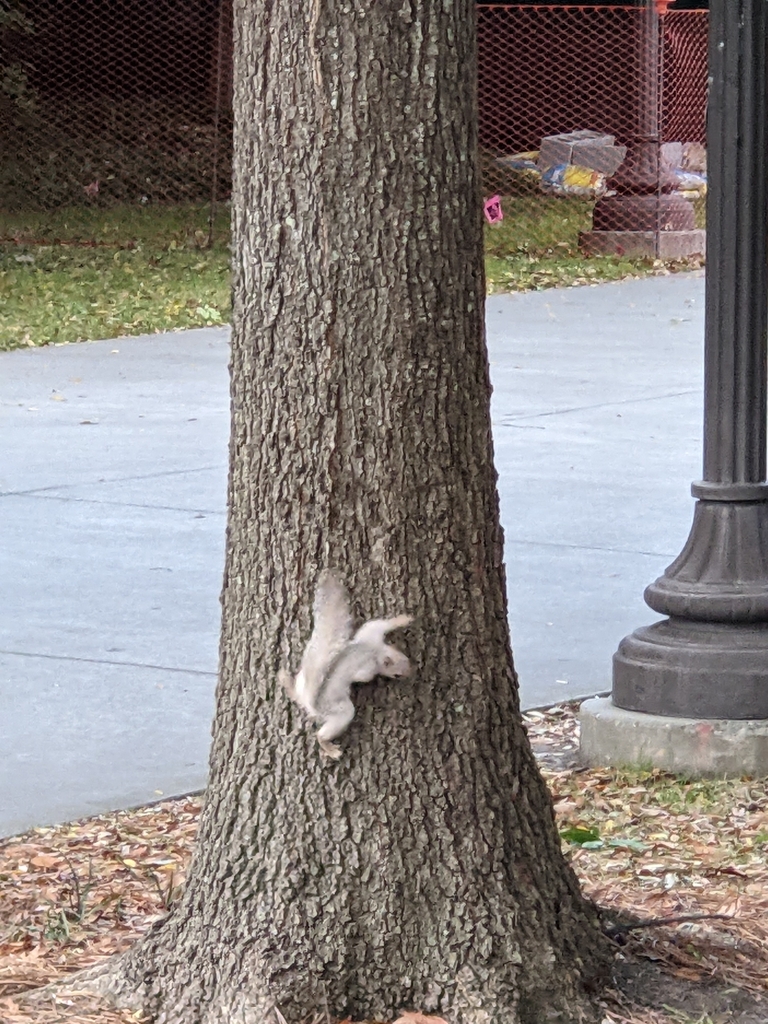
[335, 657]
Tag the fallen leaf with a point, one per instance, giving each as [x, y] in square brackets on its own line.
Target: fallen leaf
[45, 860]
[628, 844]
[418, 1018]
[580, 835]
[727, 869]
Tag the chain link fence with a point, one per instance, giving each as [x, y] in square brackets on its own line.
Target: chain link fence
[592, 125]
[114, 101]
[592, 118]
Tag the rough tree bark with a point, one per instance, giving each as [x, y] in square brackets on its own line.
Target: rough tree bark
[423, 870]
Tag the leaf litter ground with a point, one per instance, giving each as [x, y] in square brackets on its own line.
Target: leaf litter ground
[644, 845]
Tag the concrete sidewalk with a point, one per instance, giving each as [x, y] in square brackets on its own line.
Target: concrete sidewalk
[112, 511]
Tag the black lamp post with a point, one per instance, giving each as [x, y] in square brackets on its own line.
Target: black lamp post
[709, 658]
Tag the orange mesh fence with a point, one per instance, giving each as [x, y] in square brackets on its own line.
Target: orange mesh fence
[684, 72]
[550, 70]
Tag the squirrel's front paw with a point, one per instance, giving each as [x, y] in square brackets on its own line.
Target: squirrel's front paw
[330, 749]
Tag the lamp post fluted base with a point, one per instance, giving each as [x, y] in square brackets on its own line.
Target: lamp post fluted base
[709, 658]
[721, 575]
[699, 670]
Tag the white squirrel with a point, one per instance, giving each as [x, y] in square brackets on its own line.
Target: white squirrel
[335, 658]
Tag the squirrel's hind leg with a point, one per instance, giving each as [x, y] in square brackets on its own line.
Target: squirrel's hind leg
[334, 725]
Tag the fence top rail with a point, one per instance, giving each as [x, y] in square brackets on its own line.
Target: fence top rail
[626, 8]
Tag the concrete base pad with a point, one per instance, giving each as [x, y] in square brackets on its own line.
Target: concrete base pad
[612, 736]
[666, 245]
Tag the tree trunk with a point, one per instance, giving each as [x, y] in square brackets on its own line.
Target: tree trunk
[423, 870]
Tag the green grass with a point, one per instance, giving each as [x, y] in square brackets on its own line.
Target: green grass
[537, 246]
[82, 273]
[118, 226]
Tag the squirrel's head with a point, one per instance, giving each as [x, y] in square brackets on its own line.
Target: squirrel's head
[393, 663]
